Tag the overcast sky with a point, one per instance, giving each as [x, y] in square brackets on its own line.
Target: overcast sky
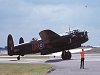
[26, 18]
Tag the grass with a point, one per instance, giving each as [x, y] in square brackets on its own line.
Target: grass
[24, 69]
[26, 56]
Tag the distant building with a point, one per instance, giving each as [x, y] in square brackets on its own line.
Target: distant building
[3, 50]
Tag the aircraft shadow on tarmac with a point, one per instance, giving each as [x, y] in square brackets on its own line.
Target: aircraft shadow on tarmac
[57, 60]
[13, 60]
[53, 60]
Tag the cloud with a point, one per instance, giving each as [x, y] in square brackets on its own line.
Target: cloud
[27, 19]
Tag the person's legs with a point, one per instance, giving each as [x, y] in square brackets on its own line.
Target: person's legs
[81, 64]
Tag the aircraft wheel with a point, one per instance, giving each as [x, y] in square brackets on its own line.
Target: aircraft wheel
[18, 58]
[69, 55]
[66, 55]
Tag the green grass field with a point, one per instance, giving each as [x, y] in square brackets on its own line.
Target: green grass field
[24, 69]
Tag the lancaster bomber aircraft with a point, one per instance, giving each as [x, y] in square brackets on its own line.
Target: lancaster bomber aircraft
[50, 42]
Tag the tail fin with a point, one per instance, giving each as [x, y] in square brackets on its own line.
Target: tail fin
[48, 35]
[10, 45]
[21, 40]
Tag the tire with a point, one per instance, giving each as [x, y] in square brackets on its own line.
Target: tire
[18, 58]
[66, 55]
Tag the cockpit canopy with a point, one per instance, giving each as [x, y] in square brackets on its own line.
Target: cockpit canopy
[76, 32]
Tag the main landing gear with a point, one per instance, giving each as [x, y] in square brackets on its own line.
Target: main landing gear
[66, 55]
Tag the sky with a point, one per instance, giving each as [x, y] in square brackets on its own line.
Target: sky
[26, 18]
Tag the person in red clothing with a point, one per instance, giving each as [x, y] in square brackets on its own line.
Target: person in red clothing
[82, 59]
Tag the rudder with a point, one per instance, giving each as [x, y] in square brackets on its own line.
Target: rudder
[10, 45]
[21, 40]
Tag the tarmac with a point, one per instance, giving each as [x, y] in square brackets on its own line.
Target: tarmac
[72, 67]
[65, 67]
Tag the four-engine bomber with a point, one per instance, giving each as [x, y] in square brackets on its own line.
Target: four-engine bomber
[50, 42]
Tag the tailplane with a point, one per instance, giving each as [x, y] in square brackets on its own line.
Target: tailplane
[10, 45]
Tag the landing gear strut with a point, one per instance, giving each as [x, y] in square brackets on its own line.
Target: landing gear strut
[66, 55]
[18, 58]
